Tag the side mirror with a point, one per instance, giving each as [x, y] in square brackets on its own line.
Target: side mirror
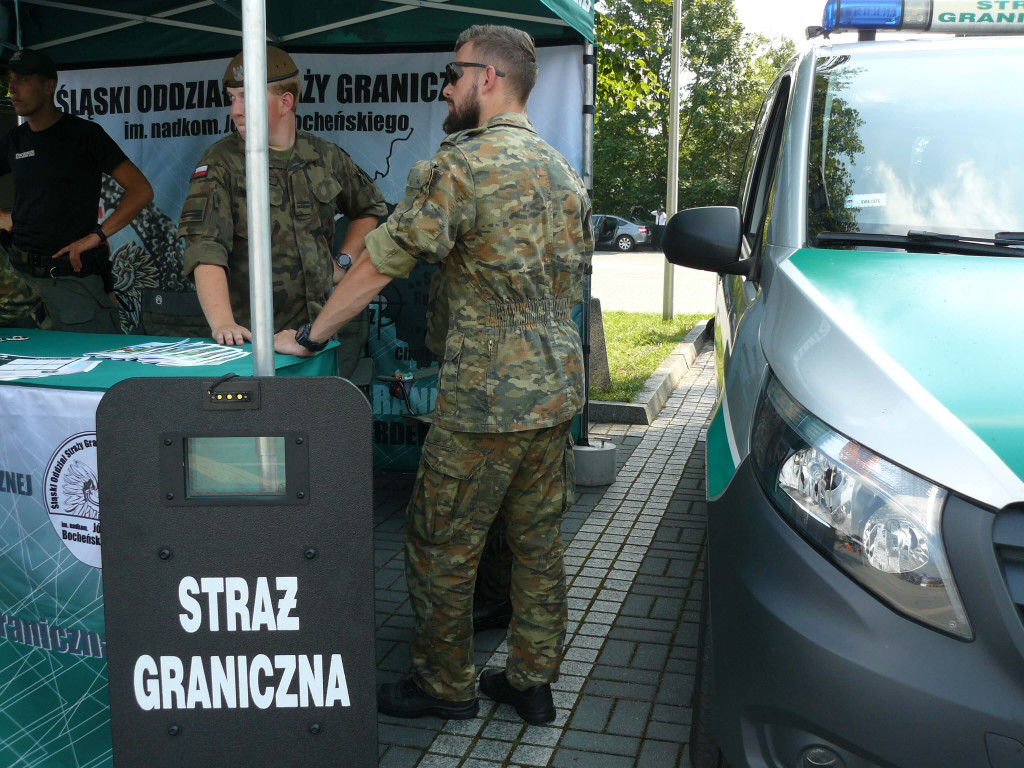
[706, 238]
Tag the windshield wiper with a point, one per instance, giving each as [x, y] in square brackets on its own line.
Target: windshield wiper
[930, 242]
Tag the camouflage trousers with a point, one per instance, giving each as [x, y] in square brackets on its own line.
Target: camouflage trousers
[464, 481]
[20, 303]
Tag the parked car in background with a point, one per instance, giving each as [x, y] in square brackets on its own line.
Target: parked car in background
[621, 234]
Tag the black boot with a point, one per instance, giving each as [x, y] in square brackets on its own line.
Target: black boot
[491, 615]
[534, 705]
[406, 699]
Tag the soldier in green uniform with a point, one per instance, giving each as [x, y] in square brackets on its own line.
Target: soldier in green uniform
[310, 181]
[511, 220]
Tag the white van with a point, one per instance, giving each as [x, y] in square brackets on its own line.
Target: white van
[864, 592]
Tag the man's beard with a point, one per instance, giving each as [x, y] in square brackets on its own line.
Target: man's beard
[465, 118]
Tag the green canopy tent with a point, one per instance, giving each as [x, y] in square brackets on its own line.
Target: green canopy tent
[112, 31]
[60, 715]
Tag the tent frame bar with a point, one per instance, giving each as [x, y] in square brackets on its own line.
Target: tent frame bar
[132, 20]
[164, 18]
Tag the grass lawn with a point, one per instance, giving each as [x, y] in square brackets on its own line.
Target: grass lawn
[637, 344]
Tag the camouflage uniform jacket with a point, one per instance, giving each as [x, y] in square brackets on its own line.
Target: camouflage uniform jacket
[317, 180]
[512, 219]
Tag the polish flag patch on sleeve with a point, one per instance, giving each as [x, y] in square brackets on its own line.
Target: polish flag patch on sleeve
[200, 172]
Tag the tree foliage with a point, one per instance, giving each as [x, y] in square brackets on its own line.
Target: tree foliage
[724, 75]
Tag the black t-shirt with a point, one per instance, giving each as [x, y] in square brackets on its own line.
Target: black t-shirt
[57, 175]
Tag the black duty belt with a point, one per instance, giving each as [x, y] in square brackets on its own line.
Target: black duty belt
[44, 265]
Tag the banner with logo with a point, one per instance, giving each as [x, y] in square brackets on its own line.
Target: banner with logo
[384, 109]
[52, 645]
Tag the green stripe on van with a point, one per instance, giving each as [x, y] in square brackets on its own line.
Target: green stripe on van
[954, 323]
[720, 467]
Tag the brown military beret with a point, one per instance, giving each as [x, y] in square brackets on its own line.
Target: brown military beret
[279, 67]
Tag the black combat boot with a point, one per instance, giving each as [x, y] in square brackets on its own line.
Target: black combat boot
[406, 699]
[534, 705]
[491, 615]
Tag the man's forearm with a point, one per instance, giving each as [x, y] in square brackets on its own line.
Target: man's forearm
[212, 289]
[127, 209]
[138, 193]
[360, 285]
[355, 236]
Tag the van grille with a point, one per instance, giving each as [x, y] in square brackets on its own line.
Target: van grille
[1008, 537]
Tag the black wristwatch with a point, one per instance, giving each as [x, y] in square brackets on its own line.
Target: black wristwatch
[302, 337]
[99, 231]
[343, 259]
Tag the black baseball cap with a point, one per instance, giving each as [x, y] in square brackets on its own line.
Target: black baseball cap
[29, 62]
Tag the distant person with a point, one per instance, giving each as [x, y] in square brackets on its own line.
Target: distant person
[58, 161]
[311, 180]
[660, 219]
[511, 219]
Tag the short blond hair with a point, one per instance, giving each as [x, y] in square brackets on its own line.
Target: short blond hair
[508, 49]
[289, 85]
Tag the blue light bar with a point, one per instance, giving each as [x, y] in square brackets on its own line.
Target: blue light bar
[862, 14]
[978, 17]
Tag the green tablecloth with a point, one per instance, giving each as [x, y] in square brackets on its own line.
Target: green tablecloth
[52, 631]
[109, 372]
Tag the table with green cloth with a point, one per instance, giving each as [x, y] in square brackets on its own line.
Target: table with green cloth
[54, 708]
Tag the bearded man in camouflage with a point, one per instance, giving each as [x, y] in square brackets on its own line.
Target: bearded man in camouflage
[310, 181]
[511, 218]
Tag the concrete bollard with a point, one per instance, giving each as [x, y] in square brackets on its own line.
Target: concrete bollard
[595, 463]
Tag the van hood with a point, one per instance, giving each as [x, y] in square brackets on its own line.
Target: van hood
[920, 357]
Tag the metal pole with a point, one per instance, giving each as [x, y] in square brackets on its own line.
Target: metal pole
[257, 181]
[672, 193]
[17, 24]
[589, 109]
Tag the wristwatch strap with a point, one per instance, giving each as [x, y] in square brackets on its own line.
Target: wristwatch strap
[302, 337]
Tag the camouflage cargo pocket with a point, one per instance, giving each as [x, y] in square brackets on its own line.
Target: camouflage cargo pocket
[325, 193]
[413, 212]
[448, 376]
[444, 493]
[195, 214]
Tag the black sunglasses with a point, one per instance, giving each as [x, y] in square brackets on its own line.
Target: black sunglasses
[454, 70]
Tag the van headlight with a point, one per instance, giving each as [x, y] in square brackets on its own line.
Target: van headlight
[876, 521]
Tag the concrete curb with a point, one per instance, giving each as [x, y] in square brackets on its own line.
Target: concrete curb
[659, 387]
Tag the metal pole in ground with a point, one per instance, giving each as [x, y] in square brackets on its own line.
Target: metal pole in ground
[595, 464]
[672, 193]
[589, 110]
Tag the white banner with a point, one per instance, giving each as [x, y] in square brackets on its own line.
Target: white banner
[385, 110]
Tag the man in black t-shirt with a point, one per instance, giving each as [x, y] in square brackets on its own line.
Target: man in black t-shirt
[58, 161]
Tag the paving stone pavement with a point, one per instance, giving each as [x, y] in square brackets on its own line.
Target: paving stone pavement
[634, 561]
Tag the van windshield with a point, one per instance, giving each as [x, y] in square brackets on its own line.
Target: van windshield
[917, 140]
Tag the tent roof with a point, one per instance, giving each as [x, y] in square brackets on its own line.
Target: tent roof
[92, 31]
